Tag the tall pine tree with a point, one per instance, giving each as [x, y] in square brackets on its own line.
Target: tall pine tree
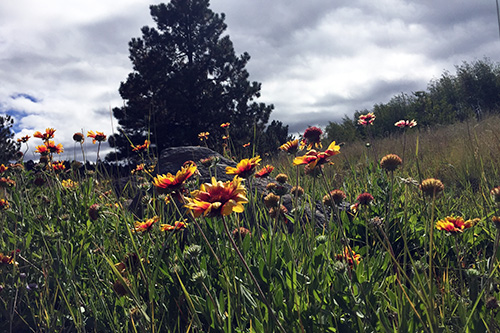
[186, 79]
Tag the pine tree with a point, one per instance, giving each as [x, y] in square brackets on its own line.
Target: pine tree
[8, 147]
[186, 79]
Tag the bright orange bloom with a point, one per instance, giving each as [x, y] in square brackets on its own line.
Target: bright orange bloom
[314, 158]
[245, 167]
[142, 147]
[224, 125]
[203, 136]
[24, 139]
[49, 134]
[406, 123]
[97, 136]
[146, 225]
[51, 146]
[178, 225]
[264, 172]
[4, 204]
[349, 256]
[6, 260]
[312, 138]
[455, 224]
[3, 168]
[218, 198]
[290, 147]
[246, 145]
[167, 183]
[58, 166]
[69, 184]
[366, 119]
[42, 149]
[225, 137]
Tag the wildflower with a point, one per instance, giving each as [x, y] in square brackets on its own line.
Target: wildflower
[406, 123]
[366, 119]
[496, 221]
[142, 147]
[178, 225]
[495, 192]
[297, 191]
[7, 182]
[42, 149]
[245, 167]
[431, 186]
[246, 145]
[49, 134]
[16, 166]
[224, 125]
[271, 200]
[241, 232]
[209, 161]
[364, 198]
[225, 137]
[390, 162]
[313, 158]
[335, 197]
[138, 168]
[349, 256]
[24, 139]
[78, 137]
[146, 225]
[94, 212]
[281, 178]
[97, 136]
[53, 148]
[264, 172]
[218, 198]
[7, 260]
[168, 183]
[68, 184]
[58, 166]
[311, 138]
[290, 147]
[4, 204]
[275, 212]
[3, 168]
[455, 224]
[203, 136]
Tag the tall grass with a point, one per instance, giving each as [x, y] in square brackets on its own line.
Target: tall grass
[73, 259]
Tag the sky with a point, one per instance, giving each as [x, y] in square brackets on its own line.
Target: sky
[61, 62]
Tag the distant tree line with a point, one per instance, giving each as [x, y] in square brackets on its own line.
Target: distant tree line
[474, 91]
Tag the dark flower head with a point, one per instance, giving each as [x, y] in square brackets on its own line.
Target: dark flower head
[364, 198]
[312, 137]
[431, 186]
[390, 162]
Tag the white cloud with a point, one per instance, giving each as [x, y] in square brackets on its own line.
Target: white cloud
[316, 60]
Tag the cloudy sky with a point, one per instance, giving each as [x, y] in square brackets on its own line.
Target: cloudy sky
[61, 62]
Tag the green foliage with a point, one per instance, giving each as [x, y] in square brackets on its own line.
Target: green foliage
[8, 147]
[473, 92]
[186, 80]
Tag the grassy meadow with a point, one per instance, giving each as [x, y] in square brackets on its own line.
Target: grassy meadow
[410, 247]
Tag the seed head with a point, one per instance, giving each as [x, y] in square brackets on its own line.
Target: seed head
[431, 186]
[390, 162]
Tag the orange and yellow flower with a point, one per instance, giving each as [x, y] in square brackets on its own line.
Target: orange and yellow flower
[245, 167]
[264, 172]
[455, 224]
[53, 148]
[349, 256]
[142, 147]
[6, 260]
[168, 183]
[314, 158]
[24, 139]
[49, 134]
[146, 225]
[178, 225]
[97, 136]
[4, 204]
[290, 147]
[218, 198]
[312, 138]
[203, 136]
[246, 145]
[366, 119]
[42, 149]
[3, 168]
[224, 125]
[58, 166]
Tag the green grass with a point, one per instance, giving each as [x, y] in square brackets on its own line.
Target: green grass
[76, 274]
